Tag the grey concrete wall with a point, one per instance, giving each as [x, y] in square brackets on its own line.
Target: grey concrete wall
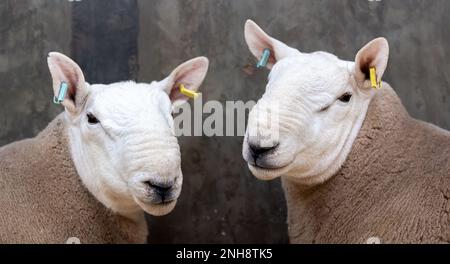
[28, 31]
[104, 41]
[220, 201]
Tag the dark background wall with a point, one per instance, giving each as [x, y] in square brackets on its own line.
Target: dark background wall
[28, 30]
[115, 40]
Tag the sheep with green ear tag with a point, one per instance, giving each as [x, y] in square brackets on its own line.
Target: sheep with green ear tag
[354, 165]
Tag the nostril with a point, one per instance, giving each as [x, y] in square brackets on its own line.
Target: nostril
[258, 150]
[160, 188]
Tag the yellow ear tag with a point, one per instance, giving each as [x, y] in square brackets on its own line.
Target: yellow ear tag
[187, 92]
[373, 78]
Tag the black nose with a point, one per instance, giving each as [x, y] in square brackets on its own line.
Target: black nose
[162, 189]
[257, 151]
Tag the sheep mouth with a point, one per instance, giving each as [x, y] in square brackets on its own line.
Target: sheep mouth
[164, 202]
[157, 209]
[268, 173]
[157, 201]
[268, 168]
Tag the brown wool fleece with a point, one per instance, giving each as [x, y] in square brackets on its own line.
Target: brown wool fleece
[394, 185]
[42, 198]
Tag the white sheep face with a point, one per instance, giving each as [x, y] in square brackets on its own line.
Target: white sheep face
[320, 102]
[122, 136]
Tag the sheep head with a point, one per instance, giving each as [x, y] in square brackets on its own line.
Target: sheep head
[319, 102]
[122, 136]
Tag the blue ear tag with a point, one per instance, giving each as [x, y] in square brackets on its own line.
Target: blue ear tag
[62, 93]
[264, 58]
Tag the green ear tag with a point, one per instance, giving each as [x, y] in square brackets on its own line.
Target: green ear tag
[62, 93]
[264, 58]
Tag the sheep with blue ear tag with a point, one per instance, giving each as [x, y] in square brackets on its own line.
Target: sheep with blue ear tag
[98, 166]
[353, 163]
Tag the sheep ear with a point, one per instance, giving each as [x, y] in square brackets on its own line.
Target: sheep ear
[373, 54]
[191, 74]
[63, 69]
[257, 40]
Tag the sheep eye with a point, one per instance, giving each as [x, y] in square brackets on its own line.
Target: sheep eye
[92, 119]
[345, 97]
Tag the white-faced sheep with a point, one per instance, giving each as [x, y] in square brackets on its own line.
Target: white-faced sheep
[91, 174]
[353, 163]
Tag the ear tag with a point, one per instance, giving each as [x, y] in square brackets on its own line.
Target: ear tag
[187, 92]
[62, 93]
[264, 58]
[373, 78]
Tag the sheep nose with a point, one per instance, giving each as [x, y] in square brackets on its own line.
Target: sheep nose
[161, 189]
[257, 151]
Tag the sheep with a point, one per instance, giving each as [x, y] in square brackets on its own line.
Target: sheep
[354, 166]
[90, 175]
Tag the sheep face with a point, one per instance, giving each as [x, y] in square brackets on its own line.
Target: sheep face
[319, 102]
[122, 137]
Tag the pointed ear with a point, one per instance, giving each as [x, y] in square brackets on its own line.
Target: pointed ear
[63, 69]
[257, 40]
[373, 54]
[191, 74]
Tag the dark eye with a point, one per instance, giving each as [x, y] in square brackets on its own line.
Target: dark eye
[345, 97]
[92, 119]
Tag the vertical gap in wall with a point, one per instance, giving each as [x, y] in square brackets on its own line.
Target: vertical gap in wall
[104, 39]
